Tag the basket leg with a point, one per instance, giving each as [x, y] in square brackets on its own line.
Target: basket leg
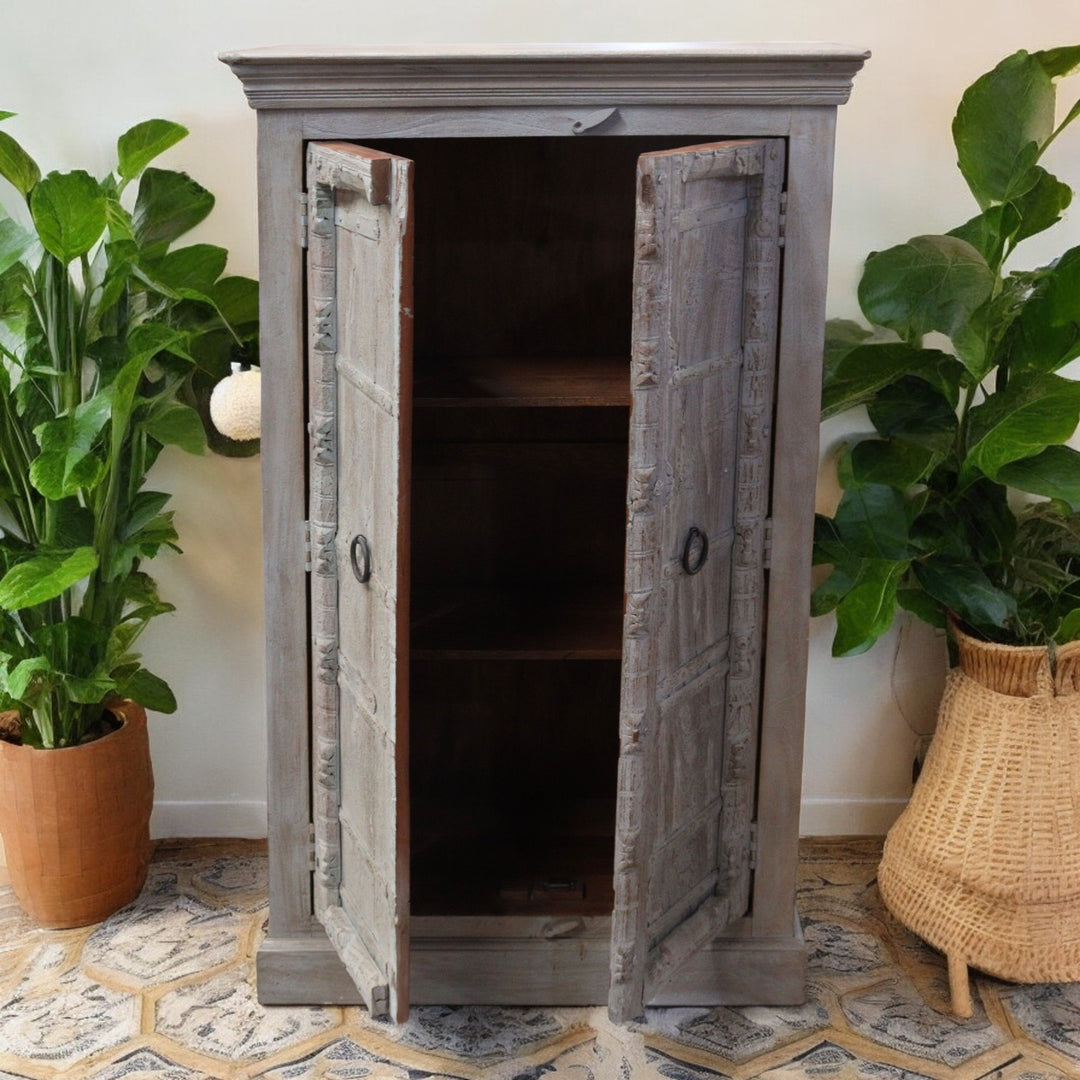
[960, 987]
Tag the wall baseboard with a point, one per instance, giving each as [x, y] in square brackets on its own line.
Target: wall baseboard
[172, 819]
[842, 815]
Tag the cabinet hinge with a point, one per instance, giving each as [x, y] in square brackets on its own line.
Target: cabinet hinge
[302, 199]
[782, 233]
[311, 847]
[766, 549]
[307, 547]
[753, 845]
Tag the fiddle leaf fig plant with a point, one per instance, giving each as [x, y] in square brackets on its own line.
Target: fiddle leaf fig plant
[964, 499]
[105, 331]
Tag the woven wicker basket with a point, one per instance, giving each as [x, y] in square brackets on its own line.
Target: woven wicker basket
[984, 863]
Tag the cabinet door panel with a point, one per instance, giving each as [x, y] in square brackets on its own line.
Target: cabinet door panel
[706, 297]
[360, 365]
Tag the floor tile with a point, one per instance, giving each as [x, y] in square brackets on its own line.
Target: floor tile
[161, 940]
[221, 1017]
[342, 1059]
[1049, 1014]
[893, 1014]
[57, 1015]
[827, 1061]
[144, 1063]
[482, 1035]
[738, 1034]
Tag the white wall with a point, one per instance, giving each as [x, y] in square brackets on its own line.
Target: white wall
[80, 73]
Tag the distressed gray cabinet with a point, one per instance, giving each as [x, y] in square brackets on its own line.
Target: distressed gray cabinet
[541, 349]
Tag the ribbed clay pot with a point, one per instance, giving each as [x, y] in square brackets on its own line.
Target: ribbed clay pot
[76, 823]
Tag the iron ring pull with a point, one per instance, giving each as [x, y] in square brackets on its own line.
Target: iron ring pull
[360, 557]
[695, 551]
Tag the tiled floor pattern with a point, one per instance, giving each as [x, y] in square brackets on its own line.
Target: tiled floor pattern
[164, 990]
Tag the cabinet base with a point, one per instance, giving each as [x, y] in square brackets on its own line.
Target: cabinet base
[731, 971]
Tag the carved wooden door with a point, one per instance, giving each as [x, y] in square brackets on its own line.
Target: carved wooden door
[703, 359]
[360, 374]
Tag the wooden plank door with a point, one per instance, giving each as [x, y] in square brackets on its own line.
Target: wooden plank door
[360, 393]
[706, 297]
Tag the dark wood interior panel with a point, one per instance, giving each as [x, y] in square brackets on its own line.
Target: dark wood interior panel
[519, 514]
[527, 245]
[513, 781]
[525, 381]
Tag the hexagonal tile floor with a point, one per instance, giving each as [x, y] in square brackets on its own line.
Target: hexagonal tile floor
[164, 990]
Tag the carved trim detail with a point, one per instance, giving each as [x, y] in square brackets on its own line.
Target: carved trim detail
[645, 493]
[322, 429]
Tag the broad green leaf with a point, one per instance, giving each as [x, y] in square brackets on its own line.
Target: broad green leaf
[69, 212]
[868, 608]
[1003, 120]
[149, 691]
[24, 674]
[1036, 342]
[866, 369]
[1041, 205]
[913, 410]
[178, 425]
[922, 605]
[144, 507]
[895, 462]
[16, 165]
[167, 206]
[1069, 627]
[1034, 411]
[143, 344]
[237, 299]
[45, 577]
[988, 232]
[14, 241]
[929, 283]
[68, 461]
[834, 588]
[1061, 289]
[88, 689]
[1054, 473]
[195, 267]
[987, 522]
[137, 147]
[74, 523]
[872, 521]
[1061, 61]
[142, 545]
[961, 587]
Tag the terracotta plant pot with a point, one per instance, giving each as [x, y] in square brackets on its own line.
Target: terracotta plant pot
[76, 823]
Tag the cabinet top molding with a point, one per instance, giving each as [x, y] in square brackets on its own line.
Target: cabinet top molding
[387, 76]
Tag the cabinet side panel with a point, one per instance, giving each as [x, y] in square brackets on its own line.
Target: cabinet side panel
[806, 255]
[281, 352]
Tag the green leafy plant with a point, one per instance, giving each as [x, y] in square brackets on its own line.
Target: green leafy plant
[961, 378]
[106, 330]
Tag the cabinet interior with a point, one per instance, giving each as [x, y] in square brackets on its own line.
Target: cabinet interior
[523, 306]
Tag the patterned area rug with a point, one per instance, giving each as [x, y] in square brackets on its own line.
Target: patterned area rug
[164, 990]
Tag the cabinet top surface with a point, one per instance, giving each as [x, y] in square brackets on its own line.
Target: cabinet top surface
[789, 73]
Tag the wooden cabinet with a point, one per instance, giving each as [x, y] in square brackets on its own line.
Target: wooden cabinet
[541, 343]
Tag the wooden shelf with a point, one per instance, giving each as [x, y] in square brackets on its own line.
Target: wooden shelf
[543, 622]
[503, 382]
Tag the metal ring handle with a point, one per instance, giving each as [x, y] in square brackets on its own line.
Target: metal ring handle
[360, 557]
[695, 551]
